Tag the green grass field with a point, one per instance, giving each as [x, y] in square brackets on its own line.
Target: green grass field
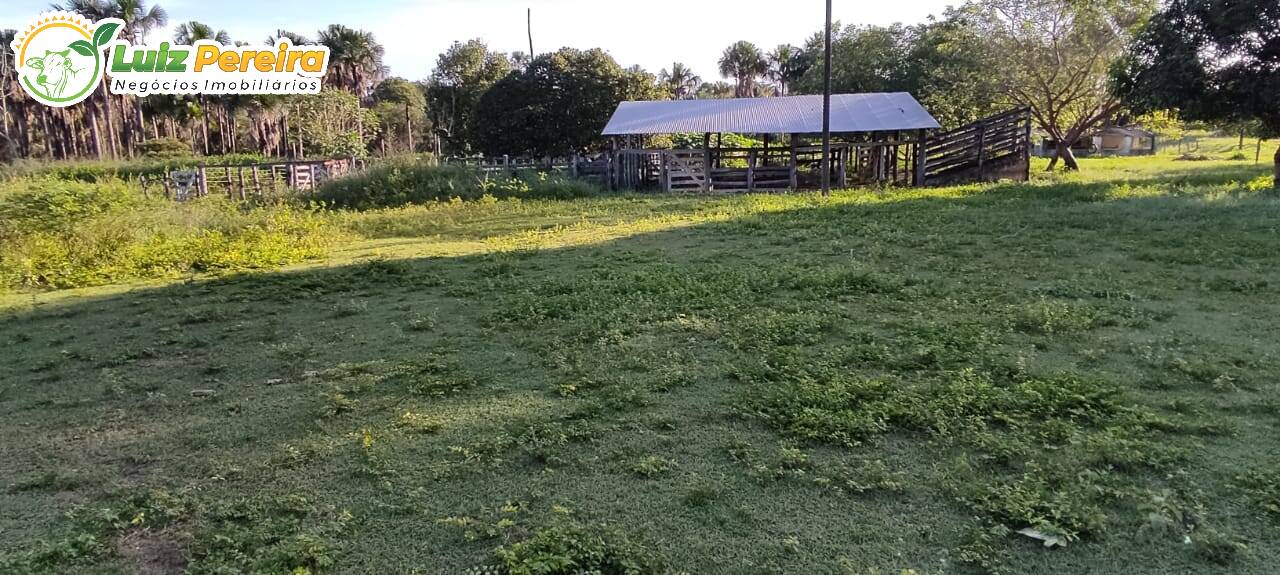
[870, 383]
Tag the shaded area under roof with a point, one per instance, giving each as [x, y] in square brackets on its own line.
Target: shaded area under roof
[784, 115]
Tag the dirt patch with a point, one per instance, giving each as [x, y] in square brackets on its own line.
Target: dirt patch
[153, 552]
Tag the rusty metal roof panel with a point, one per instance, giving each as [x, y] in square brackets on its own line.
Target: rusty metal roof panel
[783, 115]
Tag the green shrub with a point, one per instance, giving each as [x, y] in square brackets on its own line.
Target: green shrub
[397, 183]
[572, 549]
[161, 148]
[63, 234]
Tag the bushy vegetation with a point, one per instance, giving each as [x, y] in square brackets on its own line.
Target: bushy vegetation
[400, 183]
[60, 233]
[103, 171]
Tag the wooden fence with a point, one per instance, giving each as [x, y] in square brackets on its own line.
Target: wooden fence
[993, 148]
[998, 147]
[254, 180]
[576, 166]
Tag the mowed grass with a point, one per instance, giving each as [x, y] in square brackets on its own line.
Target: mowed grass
[878, 381]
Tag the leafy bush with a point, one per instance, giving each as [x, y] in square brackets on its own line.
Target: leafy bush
[398, 183]
[62, 234]
[572, 549]
[161, 148]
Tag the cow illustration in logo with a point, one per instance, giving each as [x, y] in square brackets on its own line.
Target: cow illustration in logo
[59, 56]
[55, 71]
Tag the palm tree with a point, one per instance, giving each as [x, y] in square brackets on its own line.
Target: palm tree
[355, 57]
[9, 147]
[293, 38]
[680, 82]
[98, 10]
[785, 66]
[743, 62]
[189, 33]
[92, 9]
[139, 19]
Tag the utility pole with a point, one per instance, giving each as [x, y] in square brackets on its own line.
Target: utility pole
[530, 28]
[826, 107]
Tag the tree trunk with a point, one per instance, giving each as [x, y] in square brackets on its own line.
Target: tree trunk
[204, 123]
[95, 133]
[1276, 169]
[110, 123]
[1069, 159]
[1063, 152]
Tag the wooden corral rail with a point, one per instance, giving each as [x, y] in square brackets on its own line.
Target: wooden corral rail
[992, 148]
[254, 180]
[594, 168]
[731, 169]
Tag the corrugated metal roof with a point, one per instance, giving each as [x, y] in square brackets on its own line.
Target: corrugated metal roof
[783, 115]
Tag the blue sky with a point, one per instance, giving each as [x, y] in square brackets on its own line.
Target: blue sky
[651, 33]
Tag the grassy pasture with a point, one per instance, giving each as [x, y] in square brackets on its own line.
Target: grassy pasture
[879, 381]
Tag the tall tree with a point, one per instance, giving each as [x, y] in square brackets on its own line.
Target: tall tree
[9, 137]
[714, 91]
[680, 82]
[787, 64]
[863, 59]
[189, 33]
[401, 107]
[355, 59]
[139, 19]
[948, 70]
[293, 38]
[462, 75]
[1054, 56]
[743, 62]
[558, 104]
[1212, 60]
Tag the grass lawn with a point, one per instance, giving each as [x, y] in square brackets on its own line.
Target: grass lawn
[878, 381]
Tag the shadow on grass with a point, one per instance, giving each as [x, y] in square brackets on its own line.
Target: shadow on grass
[119, 368]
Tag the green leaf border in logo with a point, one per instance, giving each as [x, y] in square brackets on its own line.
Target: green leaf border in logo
[103, 34]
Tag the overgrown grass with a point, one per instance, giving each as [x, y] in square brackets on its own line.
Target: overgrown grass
[57, 233]
[938, 380]
[108, 170]
[398, 183]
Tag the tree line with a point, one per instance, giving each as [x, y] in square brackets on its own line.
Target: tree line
[1077, 65]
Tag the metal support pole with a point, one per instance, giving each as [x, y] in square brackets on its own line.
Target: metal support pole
[826, 106]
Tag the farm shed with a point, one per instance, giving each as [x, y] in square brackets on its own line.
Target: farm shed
[880, 138]
[1124, 141]
[1108, 141]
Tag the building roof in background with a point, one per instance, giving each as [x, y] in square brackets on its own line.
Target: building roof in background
[782, 115]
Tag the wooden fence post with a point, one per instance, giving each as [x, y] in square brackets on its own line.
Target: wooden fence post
[666, 171]
[842, 178]
[982, 142]
[706, 162]
[1026, 147]
[922, 158]
[203, 187]
[795, 172]
[751, 170]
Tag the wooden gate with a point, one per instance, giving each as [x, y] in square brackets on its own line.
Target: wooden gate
[684, 170]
